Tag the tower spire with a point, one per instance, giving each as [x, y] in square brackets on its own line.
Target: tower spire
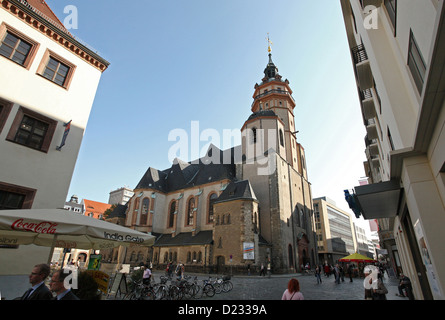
[269, 44]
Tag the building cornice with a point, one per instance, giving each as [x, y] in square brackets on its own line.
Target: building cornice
[25, 13]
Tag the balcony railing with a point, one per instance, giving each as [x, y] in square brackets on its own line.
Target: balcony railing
[359, 54]
[273, 91]
[365, 94]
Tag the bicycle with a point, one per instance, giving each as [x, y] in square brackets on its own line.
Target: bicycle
[206, 288]
[140, 291]
[216, 285]
[227, 285]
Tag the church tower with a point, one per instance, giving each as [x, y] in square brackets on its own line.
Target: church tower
[274, 164]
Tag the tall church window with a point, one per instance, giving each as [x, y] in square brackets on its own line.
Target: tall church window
[144, 211]
[212, 198]
[302, 219]
[171, 216]
[190, 211]
[281, 138]
[254, 133]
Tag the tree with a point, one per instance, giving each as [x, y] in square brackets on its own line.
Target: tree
[109, 211]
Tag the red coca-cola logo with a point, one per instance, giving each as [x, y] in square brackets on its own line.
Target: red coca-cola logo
[41, 227]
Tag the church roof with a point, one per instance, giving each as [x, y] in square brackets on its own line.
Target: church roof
[185, 239]
[262, 113]
[237, 190]
[216, 165]
[271, 71]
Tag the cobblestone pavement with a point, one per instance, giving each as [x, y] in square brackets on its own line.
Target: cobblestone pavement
[264, 288]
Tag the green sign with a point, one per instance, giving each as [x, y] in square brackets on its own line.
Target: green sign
[94, 263]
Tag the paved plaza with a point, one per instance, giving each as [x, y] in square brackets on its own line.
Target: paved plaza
[264, 288]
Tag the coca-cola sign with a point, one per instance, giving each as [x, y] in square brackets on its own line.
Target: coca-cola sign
[37, 227]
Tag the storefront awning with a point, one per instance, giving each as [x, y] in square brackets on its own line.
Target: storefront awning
[379, 200]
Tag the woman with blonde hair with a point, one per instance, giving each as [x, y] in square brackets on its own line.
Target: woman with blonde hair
[293, 291]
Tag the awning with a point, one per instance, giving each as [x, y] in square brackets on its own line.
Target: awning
[379, 200]
[65, 229]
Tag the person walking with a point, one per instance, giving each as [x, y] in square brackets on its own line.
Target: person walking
[38, 291]
[318, 274]
[262, 270]
[380, 292]
[342, 273]
[293, 291]
[337, 274]
[146, 277]
[350, 271]
[327, 270]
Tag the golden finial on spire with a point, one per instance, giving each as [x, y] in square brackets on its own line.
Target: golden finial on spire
[269, 48]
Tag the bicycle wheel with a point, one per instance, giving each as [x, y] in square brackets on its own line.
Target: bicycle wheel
[174, 293]
[149, 294]
[209, 290]
[198, 291]
[187, 291]
[218, 287]
[134, 296]
[227, 286]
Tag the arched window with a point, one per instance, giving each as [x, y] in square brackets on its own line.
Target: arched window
[166, 257]
[281, 138]
[135, 211]
[189, 256]
[213, 196]
[254, 135]
[228, 219]
[144, 211]
[190, 211]
[171, 216]
[302, 219]
[291, 256]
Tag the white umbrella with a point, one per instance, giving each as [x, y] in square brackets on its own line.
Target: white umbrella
[58, 228]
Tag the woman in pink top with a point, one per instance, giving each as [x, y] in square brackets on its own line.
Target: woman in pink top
[293, 291]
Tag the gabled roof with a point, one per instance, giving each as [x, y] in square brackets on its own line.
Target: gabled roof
[44, 8]
[95, 207]
[185, 239]
[237, 190]
[215, 166]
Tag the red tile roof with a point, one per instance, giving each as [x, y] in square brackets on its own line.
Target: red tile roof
[44, 8]
[94, 207]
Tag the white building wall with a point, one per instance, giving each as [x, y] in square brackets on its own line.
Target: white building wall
[50, 172]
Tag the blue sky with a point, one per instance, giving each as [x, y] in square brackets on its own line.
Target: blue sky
[177, 61]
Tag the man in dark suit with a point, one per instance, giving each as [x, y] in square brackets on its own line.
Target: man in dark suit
[61, 289]
[38, 291]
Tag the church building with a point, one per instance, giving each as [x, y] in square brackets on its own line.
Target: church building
[233, 209]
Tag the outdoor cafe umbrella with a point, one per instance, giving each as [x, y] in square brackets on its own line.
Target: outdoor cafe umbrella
[59, 228]
[356, 257]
